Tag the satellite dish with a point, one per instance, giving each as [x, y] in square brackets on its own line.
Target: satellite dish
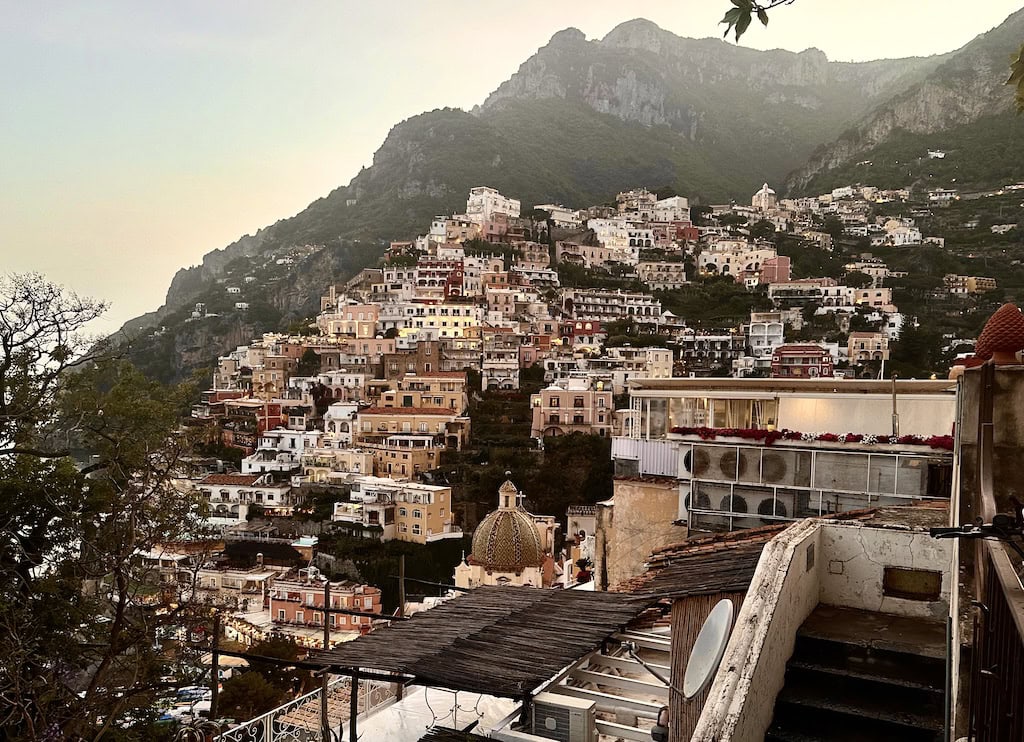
[708, 649]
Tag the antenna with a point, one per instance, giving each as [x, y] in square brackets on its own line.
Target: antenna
[708, 650]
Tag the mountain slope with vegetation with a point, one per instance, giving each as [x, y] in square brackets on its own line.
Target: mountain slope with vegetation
[966, 90]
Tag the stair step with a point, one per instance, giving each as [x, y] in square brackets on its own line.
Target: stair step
[866, 688]
[871, 661]
[810, 727]
[920, 637]
[870, 673]
[878, 708]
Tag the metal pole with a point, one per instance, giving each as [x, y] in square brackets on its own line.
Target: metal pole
[325, 723]
[215, 667]
[895, 414]
[353, 706]
[401, 585]
[399, 689]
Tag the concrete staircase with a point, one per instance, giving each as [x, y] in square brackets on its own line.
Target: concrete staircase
[860, 676]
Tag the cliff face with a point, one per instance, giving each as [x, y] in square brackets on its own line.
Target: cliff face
[967, 86]
[641, 73]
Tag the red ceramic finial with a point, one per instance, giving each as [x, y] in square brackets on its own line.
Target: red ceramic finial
[1003, 335]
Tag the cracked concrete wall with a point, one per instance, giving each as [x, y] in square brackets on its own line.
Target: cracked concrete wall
[853, 558]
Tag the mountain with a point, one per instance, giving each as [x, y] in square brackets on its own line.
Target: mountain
[579, 121]
[962, 105]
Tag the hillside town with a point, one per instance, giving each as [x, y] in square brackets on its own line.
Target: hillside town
[355, 429]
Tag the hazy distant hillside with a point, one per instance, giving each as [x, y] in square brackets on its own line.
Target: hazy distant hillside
[967, 88]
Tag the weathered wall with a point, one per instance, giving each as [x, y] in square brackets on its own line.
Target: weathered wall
[642, 520]
[853, 558]
[1008, 437]
[783, 592]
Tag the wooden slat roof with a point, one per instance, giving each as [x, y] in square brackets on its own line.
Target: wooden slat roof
[703, 566]
[502, 641]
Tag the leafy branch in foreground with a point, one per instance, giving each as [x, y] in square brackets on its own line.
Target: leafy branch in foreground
[743, 12]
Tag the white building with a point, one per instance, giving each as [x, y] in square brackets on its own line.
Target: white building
[229, 497]
[280, 450]
[765, 332]
[483, 203]
[765, 199]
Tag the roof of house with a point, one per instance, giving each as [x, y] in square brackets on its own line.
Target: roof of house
[708, 386]
[721, 563]
[436, 375]
[241, 480]
[409, 411]
[502, 641]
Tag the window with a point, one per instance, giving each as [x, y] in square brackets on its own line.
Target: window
[417, 513]
[300, 616]
[280, 614]
[402, 512]
[416, 529]
[555, 402]
[577, 402]
[367, 602]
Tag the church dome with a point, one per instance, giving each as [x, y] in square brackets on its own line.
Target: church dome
[507, 539]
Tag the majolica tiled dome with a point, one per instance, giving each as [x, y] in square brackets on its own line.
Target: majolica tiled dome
[507, 539]
[1003, 335]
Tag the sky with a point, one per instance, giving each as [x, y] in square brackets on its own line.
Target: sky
[137, 136]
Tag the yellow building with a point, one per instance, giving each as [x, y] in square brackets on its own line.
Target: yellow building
[439, 389]
[388, 509]
[405, 455]
[373, 424]
[321, 465]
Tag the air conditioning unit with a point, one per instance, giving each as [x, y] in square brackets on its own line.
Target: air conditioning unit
[697, 462]
[564, 718]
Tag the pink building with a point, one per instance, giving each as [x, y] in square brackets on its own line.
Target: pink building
[776, 269]
[801, 362]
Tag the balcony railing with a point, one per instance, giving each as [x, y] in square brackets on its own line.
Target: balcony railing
[997, 672]
[298, 720]
[996, 706]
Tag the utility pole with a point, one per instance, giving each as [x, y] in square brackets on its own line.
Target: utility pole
[399, 689]
[325, 722]
[353, 706]
[215, 666]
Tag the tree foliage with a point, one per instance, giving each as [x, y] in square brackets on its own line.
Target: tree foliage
[76, 602]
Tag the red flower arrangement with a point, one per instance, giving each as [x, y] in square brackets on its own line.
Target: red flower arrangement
[944, 442]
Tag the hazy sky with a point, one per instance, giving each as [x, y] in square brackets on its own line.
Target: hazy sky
[137, 136]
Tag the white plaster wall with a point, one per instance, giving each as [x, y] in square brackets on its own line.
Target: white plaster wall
[782, 594]
[861, 414]
[853, 559]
